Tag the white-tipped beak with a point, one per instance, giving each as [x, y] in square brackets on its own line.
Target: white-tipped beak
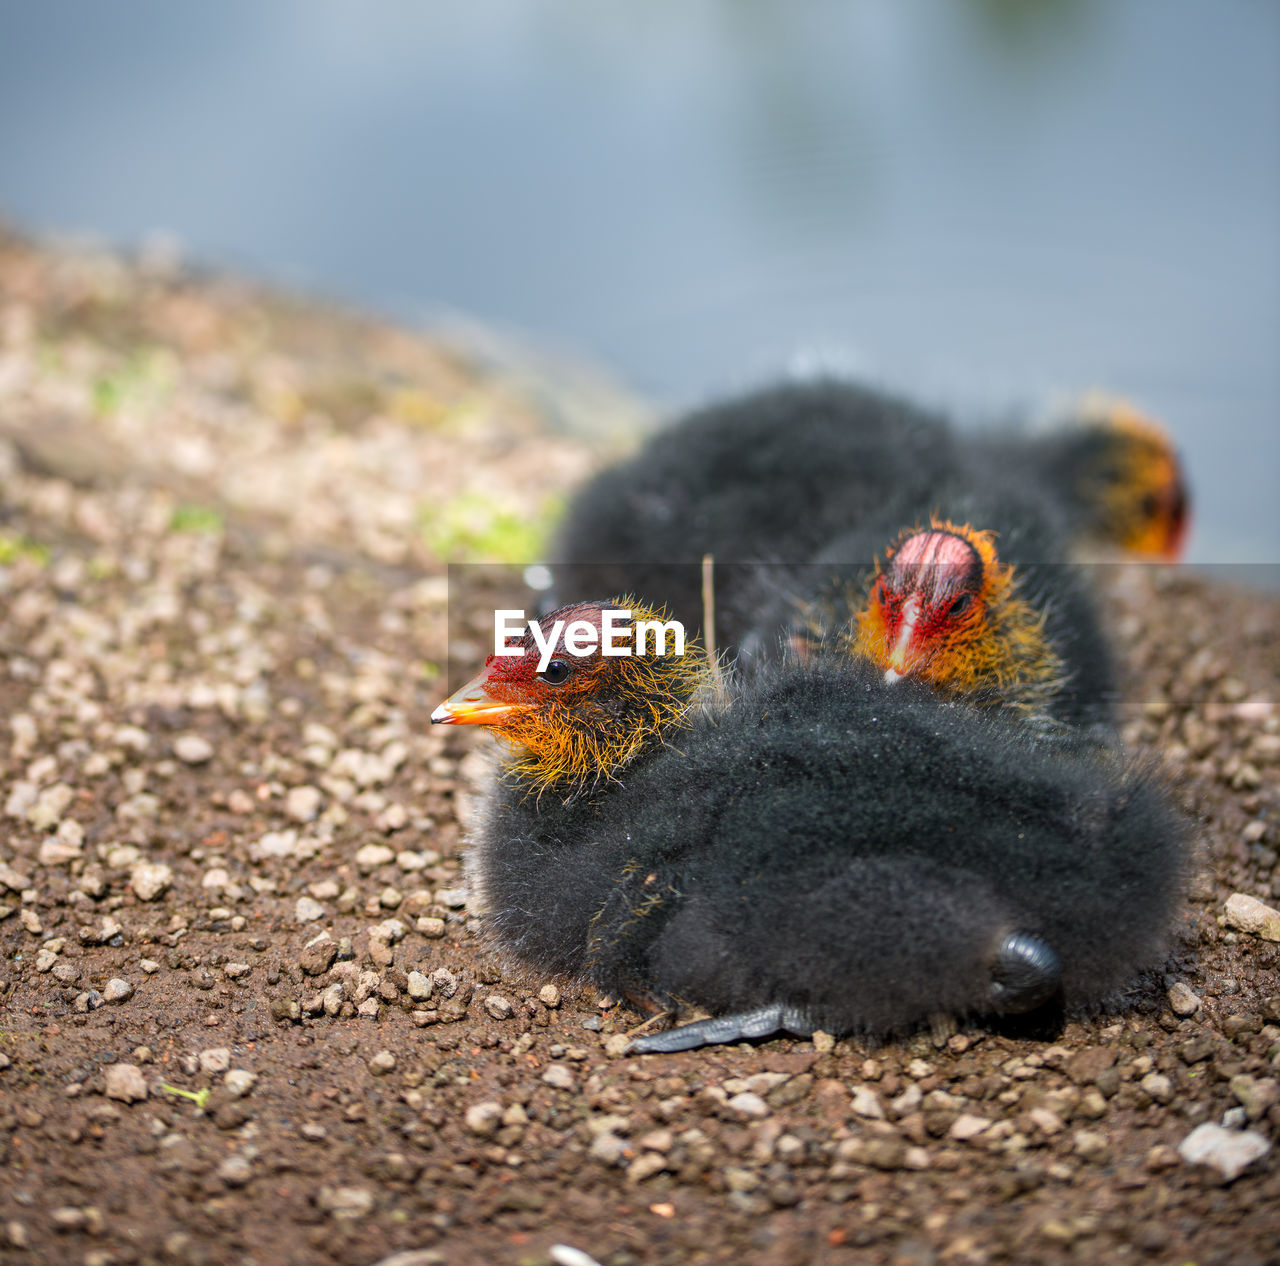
[898, 655]
[473, 705]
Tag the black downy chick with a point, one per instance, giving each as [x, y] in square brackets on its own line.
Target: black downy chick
[823, 851]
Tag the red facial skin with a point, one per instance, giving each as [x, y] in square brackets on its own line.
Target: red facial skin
[930, 590]
[572, 714]
[508, 686]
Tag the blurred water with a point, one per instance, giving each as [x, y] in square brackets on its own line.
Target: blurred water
[988, 203]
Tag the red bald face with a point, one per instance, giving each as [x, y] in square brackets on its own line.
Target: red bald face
[511, 684]
[929, 590]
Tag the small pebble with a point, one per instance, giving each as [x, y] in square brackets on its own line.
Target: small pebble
[117, 990]
[1248, 914]
[1045, 1120]
[748, 1104]
[308, 910]
[125, 1083]
[608, 1147]
[150, 880]
[382, 1063]
[302, 804]
[346, 1204]
[1090, 1145]
[371, 856]
[389, 932]
[484, 1118]
[55, 851]
[498, 1007]
[866, 1103]
[645, 1166]
[318, 957]
[1257, 1095]
[235, 1171]
[886, 1153]
[240, 802]
[1092, 1104]
[192, 749]
[393, 818]
[239, 1082]
[558, 1077]
[567, 1255]
[1230, 1152]
[215, 1059]
[73, 1218]
[968, 1126]
[1182, 1001]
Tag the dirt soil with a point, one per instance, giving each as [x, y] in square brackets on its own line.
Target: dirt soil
[245, 1014]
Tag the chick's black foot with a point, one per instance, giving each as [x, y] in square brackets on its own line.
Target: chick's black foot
[1026, 974]
[763, 1022]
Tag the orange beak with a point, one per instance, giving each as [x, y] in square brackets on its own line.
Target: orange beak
[474, 705]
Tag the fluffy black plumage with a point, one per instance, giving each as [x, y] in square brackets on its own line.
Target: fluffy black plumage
[772, 476]
[853, 854]
[830, 471]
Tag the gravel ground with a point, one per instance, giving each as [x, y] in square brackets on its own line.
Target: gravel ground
[245, 1016]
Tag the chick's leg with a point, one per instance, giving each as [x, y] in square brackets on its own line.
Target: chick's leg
[741, 1027]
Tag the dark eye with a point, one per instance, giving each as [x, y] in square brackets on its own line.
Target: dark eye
[961, 604]
[556, 673]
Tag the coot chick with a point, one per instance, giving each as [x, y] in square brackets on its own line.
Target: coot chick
[824, 850]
